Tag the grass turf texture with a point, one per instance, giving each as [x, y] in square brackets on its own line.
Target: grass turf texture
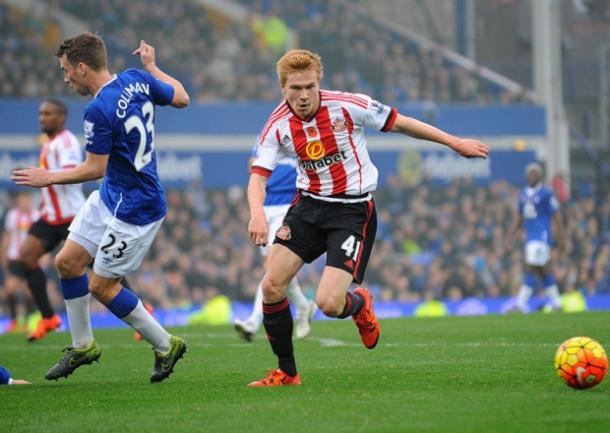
[453, 374]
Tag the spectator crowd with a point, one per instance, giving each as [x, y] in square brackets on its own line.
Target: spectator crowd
[433, 241]
[223, 58]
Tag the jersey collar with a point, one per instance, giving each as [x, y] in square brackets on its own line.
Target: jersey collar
[531, 190]
[51, 137]
[104, 85]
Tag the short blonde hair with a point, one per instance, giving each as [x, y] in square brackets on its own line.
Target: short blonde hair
[296, 61]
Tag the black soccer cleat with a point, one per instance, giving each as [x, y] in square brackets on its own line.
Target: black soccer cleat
[164, 363]
[72, 359]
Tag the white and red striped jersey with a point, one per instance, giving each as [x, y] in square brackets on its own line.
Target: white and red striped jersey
[331, 149]
[17, 223]
[60, 203]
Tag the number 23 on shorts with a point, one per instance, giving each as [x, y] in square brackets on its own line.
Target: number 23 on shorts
[113, 246]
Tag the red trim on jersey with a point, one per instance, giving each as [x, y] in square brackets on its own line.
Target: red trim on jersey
[345, 97]
[280, 111]
[265, 172]
[350, 131]
[296, 198]
[390, 120]
[300, 143]
[42, 157]
[63, 141]
[369, 213]
[55, 202]
[335, 93]
[327, 136]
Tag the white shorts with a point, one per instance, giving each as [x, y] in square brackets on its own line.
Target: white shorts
[537, 253]
[116, 246]
[275, 216]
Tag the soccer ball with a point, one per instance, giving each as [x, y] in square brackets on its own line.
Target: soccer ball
[581, 362]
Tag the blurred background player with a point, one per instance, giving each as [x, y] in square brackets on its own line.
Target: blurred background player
[538, 211]
[59, 204]
[118, 223]
[280, 190]
[334, 211]
[6, 379]
[17, 222]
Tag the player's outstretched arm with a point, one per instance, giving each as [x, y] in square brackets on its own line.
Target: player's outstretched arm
[258, 227]
[93, 168]
[147, 56]
[467, 147]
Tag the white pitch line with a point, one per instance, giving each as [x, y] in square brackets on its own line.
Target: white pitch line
[330, 342]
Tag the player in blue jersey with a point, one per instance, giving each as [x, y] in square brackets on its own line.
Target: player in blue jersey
[118, 223]
[6, 379]
[538, 211]
[280, 191]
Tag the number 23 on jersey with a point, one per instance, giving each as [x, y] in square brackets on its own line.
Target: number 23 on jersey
[142, 157]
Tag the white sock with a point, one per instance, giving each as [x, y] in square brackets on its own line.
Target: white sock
[256, 318]
[295, 293]
[524, 295]
[80, 321]
[553, 293]
[152, 331]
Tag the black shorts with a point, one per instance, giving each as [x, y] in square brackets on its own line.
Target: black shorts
[344, 231]
[16, 268]
[50, 235]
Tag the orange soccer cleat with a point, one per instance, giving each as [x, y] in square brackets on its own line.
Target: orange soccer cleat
[44, 326]
[276, 378]
[136, 335]
[366, 321]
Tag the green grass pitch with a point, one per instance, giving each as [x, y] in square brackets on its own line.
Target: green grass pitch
[454, 374]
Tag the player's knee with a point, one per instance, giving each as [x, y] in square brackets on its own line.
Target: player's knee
[29, 260]
[331, 306]
[68, 266]
[273, 289]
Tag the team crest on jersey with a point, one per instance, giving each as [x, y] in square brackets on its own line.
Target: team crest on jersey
[339, 124]
[312, 132]
[315, 150]
[88, 127]
[377, 106]
[283, 233]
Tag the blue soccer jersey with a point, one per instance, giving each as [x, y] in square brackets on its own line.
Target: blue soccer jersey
[281, 186]
[537, 207]
[5, 376]
[120, 122]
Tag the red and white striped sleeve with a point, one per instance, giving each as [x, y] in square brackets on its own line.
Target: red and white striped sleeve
[267, 154]
[69, 152]
[366, 111]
